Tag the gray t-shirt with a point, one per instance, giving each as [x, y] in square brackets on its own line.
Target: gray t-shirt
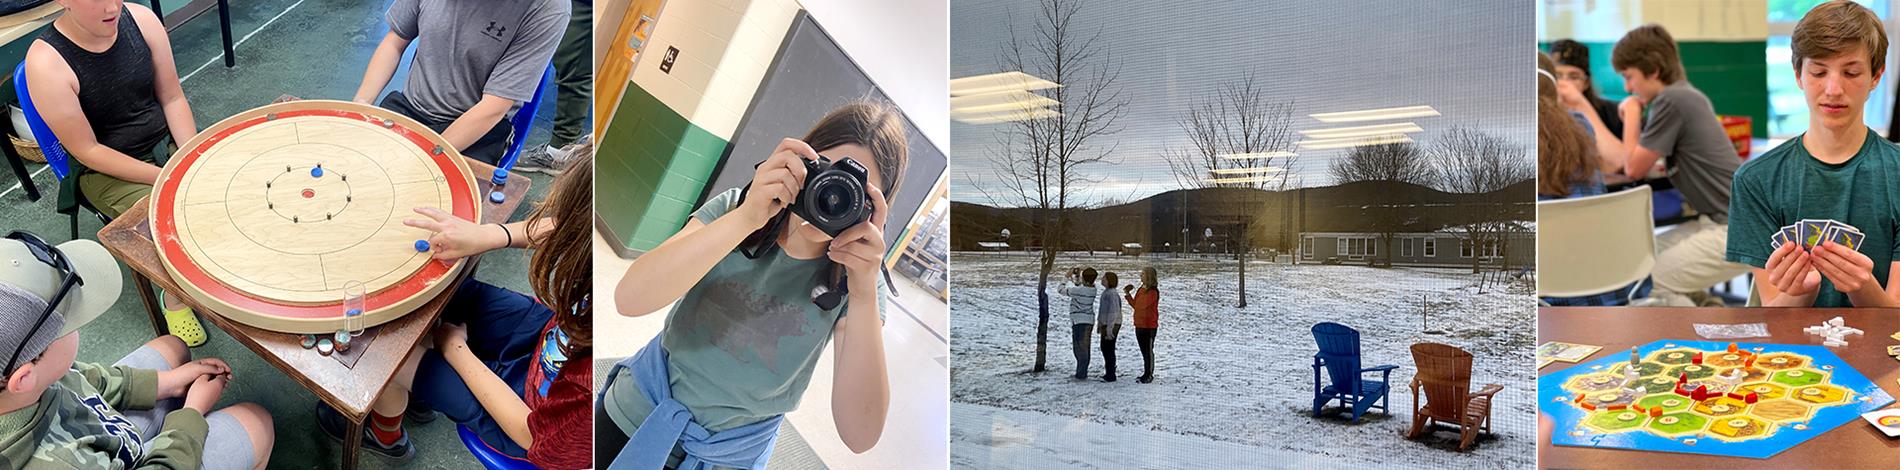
[742, 343]
[1682, 127]
[468, 48]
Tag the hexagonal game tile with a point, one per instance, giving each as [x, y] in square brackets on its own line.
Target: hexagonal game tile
[1798, 377]
[1781, 410]
[1820, 394]
[1739, 428]
[1675, 424]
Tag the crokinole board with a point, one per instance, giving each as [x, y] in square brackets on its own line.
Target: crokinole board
[1785, 414]
[265, 216]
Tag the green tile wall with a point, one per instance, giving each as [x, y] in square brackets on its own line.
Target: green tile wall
[650, 170]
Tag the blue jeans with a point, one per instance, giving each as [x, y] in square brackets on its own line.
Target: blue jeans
[504, 328]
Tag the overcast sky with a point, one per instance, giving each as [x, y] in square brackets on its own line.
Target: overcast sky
[1471, 60]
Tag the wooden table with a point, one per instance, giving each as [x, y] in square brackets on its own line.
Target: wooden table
[1852, 445]
[349, 390]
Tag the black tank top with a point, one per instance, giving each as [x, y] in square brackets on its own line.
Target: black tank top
[116, 90]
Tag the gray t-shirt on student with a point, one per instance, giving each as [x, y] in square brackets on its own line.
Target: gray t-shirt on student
[743, 342]
[1682, 127]
[468, 48]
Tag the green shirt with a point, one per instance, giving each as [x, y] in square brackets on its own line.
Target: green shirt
[1788, 184]
[77, 424]
[742, 343]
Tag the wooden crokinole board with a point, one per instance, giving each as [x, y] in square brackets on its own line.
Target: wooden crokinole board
[248, 229]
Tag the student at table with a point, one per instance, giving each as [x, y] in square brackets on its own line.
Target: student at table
[1579, 95]
[476, 61]
[103, 79]
[1838, 169]
[1567, 167]
[1667, 119]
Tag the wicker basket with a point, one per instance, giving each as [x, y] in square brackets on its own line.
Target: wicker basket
[28, 149]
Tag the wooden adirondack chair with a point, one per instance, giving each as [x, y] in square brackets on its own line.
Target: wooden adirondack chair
[1339, 355]
[1444, 372]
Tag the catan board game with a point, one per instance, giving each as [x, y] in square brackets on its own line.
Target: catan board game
[1705, 397]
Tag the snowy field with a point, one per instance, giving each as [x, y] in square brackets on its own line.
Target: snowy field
[1231, 386]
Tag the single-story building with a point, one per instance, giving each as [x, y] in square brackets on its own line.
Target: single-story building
[1450, 247]
[993, 246]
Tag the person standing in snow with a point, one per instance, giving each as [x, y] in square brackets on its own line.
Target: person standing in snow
[1146, 303]
[1081, 293]
[1108, 321]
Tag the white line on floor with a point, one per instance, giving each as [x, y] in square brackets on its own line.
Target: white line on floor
[240, 41]
[16, 186]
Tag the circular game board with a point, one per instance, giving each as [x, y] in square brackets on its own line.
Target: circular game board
[265, 216]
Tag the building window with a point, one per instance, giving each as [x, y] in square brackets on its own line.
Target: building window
[1372, 246]
[1339, 246]
[1491, 248]
[1306, 248]
[1464, 248]
[1431, 247]
[1405, 247]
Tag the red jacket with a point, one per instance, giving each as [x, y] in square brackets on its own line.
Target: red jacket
[562, 421]
[1147, 303]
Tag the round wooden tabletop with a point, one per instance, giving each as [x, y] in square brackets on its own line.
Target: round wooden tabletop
[267, 214]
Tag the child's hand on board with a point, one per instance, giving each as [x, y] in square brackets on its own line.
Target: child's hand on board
[776, 182]
[861, 248]
[452, 237]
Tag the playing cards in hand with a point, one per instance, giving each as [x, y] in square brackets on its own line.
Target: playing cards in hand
[1811, 232]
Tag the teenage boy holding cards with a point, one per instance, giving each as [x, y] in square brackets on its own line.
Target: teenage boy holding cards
[1838, 171]
[1680, 126]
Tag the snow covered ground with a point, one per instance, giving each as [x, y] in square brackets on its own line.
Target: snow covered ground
[1232, 385]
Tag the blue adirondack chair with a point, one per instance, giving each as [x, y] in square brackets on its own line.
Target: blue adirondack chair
[1339, 355]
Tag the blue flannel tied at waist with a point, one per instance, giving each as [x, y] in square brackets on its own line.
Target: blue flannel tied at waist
[671, 423]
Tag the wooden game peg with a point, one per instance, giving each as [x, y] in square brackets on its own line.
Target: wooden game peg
[1696, 359]
[1750, 398]
[1656, 412]
[1731, 347]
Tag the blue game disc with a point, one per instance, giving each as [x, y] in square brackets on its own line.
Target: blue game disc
[353, 312]
[497, 197]
[316, 172]
[422, 245]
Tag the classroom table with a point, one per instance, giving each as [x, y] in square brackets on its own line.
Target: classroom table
[349, 389]
[1853, 445]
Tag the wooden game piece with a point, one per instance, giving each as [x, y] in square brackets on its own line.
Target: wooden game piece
[1655, 412]
[1750, 398]
[1696, 359]
[1731, 348]
[275, 256]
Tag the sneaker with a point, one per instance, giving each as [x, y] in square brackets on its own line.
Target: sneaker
[334, 425]
[549, 161]
[419, 414]
[1108, 378]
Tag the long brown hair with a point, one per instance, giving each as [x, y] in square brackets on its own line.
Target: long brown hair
[1564, 153]
[561, 270]
[874, 125]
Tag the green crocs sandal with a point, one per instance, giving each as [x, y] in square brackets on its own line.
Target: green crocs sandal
[184, 324]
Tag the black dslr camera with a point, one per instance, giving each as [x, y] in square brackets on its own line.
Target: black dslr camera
[833, 198]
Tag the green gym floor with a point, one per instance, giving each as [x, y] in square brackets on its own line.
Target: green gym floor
[308, 49]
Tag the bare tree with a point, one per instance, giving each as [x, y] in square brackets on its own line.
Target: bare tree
[1235, 140]
[1391, 163]
[1041, 161]
[1473, 162]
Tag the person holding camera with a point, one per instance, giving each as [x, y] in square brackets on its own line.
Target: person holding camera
[765, 277]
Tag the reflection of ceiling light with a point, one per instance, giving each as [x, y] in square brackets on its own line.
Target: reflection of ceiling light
[1353, 142]
[1362, 131]
[996, 82]
[1246, 171]
[1005, 116]
[1258, 155]
[1242, 179]
[1377, 114]
[1001, 101]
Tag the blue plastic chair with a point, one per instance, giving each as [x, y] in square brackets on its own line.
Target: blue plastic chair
[518, 133]
[56, 156]
[1339, 355]
[489, 457]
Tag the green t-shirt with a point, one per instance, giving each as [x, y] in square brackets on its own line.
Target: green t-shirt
[1788, 184]
[742, 343]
